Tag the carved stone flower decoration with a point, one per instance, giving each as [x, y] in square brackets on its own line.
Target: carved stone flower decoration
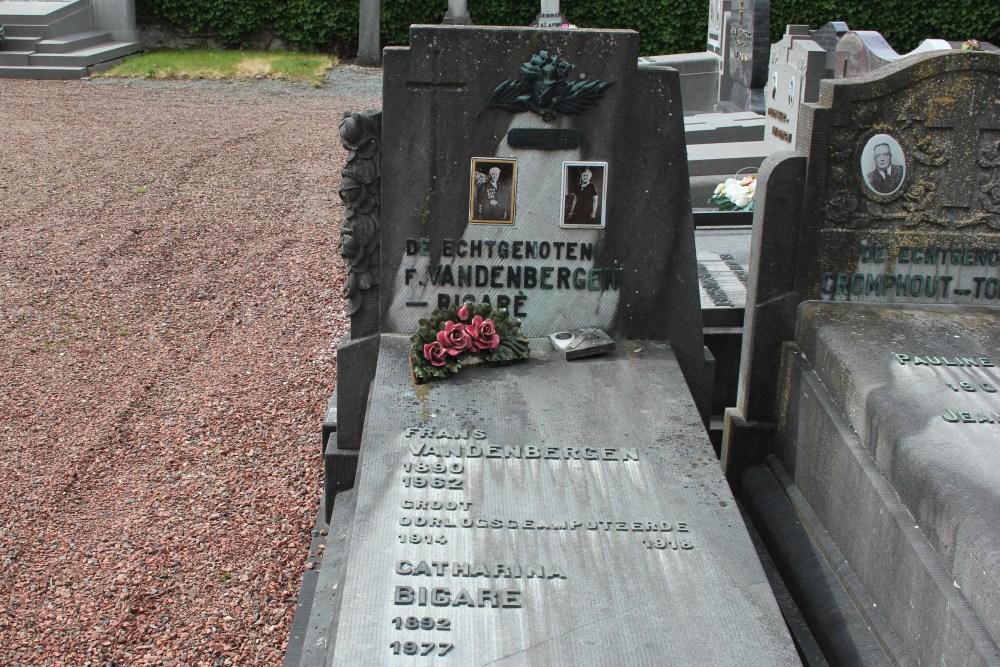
[990, 196]
[841, 206]
[930, 152]
[919, 196]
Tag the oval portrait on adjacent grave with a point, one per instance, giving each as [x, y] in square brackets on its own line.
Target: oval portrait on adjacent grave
[883, 165]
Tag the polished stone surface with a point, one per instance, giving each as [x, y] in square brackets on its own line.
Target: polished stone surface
[595, 472]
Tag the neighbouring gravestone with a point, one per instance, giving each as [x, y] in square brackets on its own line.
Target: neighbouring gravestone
[891, 202]
[847, 230]
[797, 66]
[457, 13]
[551, 512]
[862, 51]
[718, 14]
[549, 16]
[828, 37]
[889, 430]
[744, 72]
[369, 21]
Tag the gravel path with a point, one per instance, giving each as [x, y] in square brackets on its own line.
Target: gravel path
[169, 310]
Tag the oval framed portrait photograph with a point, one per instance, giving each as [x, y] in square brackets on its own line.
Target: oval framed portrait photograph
[883, 165]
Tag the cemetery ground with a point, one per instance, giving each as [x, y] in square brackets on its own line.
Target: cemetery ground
[169, 310]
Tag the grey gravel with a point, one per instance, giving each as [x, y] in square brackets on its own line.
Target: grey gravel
[169, 312]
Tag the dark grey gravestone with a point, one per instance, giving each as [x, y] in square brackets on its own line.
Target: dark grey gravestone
[890, 431]
[797, 66]
[550, 513]
[718, 14]
[826, 232]
[828, 37]
[634, 278]
[747, 55]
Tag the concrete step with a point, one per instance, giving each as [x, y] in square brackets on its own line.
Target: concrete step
[713, 128]
[38, 13]
[15, 58]
[74, 42]
[67, 18]
[26, 30]
[19, 44]
[49, 73]
[86, 57]
[727, 158]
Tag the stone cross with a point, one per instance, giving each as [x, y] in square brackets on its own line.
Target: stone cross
[971, 135]
[437, 84]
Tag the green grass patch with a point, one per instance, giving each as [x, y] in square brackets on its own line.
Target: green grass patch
[216, 64]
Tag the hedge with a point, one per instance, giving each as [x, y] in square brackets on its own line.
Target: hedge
[903, 23]
[665, 26]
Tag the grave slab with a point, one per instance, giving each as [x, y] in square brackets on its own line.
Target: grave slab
[890, 430]
[553, 512]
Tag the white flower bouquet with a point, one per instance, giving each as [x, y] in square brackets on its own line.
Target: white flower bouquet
[735, 194]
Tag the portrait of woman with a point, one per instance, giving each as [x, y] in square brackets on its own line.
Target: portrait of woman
[584, 191]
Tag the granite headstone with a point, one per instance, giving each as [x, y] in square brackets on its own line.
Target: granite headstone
[875, 506]
[828, 37]
[746, 57]
[623, 269]
[718, 14]
[448, 124]
[556, 511]
[797, 66]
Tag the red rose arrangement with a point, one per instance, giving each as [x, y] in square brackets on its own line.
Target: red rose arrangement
[463, 335]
